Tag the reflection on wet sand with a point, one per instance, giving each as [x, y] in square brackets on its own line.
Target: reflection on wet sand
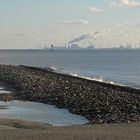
[3, 107]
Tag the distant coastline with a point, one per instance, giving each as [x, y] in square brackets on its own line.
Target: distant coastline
[64, 48]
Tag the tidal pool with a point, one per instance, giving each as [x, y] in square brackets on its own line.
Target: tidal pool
[38, 112]
[3, 90]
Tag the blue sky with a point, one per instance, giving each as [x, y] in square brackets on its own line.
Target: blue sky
[32, 23]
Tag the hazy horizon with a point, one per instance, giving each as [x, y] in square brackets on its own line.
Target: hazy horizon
[38, 23]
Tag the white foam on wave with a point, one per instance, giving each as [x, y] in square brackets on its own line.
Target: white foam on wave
[58, 70]
[54, 68]
[75, 75]
[88, 78]
[1, 88]
[100, 79]
[4, 91]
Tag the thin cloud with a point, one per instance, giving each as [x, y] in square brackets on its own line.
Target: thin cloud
[137, 25]
[126, 4]
[29, 35]
[119, 24]
[123, 24]
[94, 9]
[74, 22]
[20, 35]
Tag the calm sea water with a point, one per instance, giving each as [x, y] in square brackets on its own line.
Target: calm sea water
[120, 66]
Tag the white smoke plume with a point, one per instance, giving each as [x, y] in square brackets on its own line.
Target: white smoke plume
[84, 36]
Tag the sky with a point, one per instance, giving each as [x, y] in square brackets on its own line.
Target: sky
[39, 23]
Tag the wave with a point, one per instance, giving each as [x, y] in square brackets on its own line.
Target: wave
[100, 79]
[57, 69]
[54, 68]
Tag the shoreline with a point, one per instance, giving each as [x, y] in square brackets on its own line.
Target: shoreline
[103, 83]
[97, 101]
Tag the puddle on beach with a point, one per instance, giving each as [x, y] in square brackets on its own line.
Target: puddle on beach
[3, 90]
[39, 112]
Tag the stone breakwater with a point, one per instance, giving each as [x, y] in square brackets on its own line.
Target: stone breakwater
[99, 102]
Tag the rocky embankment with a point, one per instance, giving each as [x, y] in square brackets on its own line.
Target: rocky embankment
[99, 102]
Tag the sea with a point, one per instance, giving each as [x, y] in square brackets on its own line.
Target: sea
[116, 66]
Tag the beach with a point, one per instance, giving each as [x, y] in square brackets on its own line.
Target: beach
[113, 111]
[99, 102]
[24, 130]
[69, 70]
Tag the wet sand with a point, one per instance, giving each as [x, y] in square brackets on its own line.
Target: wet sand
[24, 130]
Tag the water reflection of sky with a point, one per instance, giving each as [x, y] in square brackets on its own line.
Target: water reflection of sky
[40, 113]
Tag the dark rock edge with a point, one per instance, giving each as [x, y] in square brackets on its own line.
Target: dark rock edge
[98, 101]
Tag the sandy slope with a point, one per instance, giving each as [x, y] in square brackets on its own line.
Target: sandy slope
[24, 130]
